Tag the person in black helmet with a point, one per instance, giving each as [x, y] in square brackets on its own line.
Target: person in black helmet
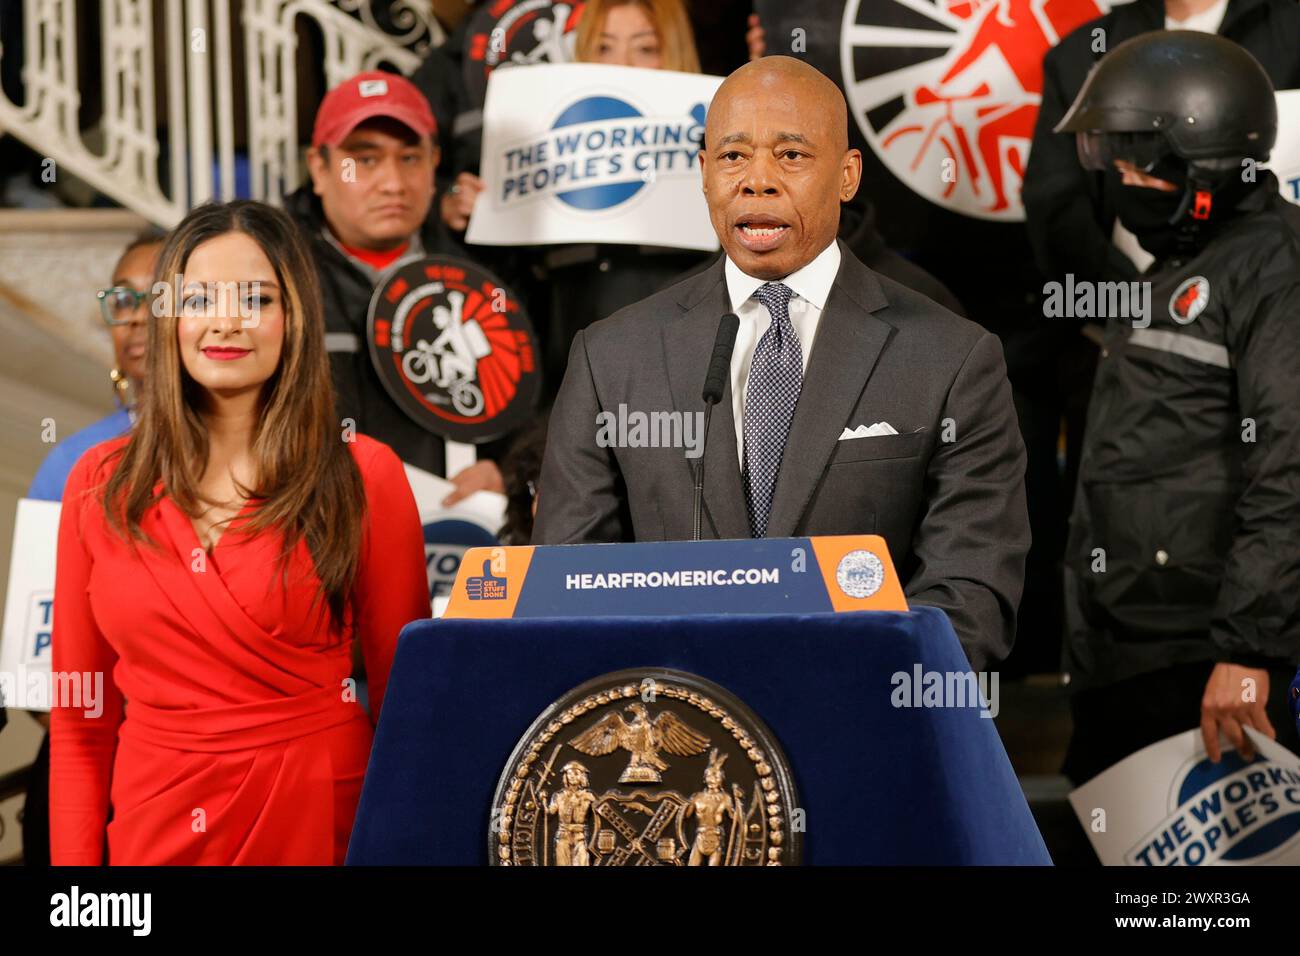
[1183, 563]
[1070, 211]
[1071, 221]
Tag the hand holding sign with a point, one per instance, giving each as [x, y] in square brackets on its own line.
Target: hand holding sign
[480, 476]
[1234, 699]
[458, 203]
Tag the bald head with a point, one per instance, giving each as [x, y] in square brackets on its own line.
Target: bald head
[776, 165]
[785, 75]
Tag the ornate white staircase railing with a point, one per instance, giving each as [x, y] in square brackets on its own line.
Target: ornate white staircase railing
[196, 85]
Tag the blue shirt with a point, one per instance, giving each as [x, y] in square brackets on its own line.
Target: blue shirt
[53, 473]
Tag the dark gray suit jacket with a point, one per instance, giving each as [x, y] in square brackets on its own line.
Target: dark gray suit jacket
[946, 492]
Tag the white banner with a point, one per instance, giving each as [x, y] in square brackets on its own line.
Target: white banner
[584, 152]
[1285, 158]
[25, 647]
[1167, 805]
[450, 531]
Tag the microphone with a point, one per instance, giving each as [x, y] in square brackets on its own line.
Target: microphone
[720, 364]
[715, 382]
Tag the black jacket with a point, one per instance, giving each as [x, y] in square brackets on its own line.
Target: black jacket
[1185, 539]
[1070, 211]
[346, 290]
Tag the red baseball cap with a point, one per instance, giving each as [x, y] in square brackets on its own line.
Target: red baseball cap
[366, 96]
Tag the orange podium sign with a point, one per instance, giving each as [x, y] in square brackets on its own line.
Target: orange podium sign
[740, 576]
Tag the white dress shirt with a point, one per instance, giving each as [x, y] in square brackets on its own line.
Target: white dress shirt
[1207, 21]
[811, 286]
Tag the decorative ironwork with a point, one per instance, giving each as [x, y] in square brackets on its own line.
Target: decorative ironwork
[198, 90]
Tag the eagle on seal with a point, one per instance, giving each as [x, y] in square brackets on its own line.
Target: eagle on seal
[643, 738]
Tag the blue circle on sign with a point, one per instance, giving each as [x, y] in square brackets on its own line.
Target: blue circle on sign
[1264, 840]
[594, 109]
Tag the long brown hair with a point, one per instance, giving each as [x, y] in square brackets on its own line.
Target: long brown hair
[671, 23]
[306, 477]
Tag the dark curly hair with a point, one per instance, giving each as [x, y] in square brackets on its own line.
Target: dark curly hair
[520, 469]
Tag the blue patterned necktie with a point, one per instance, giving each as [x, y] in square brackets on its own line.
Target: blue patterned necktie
[775, 378]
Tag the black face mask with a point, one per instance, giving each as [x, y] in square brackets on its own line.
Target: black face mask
[1146, 212]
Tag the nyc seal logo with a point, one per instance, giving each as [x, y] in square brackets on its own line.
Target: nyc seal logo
[647, 767]
[1232, 812]
[508, 33]
[860, 574]
[454, 348]
[599, 153]
[946, 92]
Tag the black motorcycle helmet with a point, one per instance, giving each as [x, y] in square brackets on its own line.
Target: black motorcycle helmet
[1173, 94]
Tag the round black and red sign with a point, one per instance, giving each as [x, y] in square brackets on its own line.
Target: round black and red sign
[454, 348]
[517, 33]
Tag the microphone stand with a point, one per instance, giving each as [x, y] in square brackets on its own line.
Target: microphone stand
[715, 383]
[699, 471]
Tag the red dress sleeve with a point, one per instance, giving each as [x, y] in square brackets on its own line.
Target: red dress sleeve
[83, 736]
[392, 585]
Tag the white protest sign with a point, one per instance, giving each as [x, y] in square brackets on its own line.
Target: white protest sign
[586, 152]
[1285, 158]
[25, 642]
[1167, 805]
[450, 531]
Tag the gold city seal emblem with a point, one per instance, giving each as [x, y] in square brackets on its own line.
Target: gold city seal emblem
[648, 767]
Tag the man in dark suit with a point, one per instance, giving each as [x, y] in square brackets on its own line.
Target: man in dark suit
[826, 348]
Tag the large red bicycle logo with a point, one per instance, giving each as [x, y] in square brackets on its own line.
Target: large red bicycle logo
[948, 100]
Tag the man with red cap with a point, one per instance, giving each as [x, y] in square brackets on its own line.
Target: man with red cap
[369, 204]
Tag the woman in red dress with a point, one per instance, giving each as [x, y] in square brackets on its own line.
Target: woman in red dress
[215, 566]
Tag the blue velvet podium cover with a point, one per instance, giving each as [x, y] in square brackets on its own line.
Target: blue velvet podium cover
[879, 783]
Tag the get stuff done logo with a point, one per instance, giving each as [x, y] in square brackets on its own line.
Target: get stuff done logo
[600, 152]
[1232, 812]
[445, 542]
[492, 584]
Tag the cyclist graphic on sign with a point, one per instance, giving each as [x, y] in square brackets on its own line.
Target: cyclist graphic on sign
[551, 39]
[454, 349]
[956, 126]
[450, 361]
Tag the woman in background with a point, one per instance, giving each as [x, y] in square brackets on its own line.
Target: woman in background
[124, 307]
[655, 34]
[215, 565]
[589, 281]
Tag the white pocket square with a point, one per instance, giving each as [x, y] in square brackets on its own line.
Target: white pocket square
[868, 431]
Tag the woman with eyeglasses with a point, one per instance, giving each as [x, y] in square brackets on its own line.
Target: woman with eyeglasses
[124, 308]
[216, 566]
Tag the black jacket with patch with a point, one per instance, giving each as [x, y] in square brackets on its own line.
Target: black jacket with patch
[1185, 539]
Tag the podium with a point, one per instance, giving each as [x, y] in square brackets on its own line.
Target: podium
[884, 774]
